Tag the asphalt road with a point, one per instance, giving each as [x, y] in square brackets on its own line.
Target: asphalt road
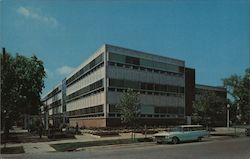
[237, 148]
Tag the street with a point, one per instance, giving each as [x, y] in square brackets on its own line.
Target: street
[236, 148]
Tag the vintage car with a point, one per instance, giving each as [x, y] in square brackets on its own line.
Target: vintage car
[182, 133]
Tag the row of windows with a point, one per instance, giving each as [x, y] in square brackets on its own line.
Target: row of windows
[221, 94]
[96, 91]
[85, 90]
[117, 115]
[161, 116]
[157, 110]
[145, 86]
[86, 111]
[55, 104]
[144, 62]
[85, 69]
[88, 73]
[53, 93]
[169, 110]
[148, 92]
[145, 69]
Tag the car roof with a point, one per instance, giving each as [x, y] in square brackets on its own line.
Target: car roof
[187, 126]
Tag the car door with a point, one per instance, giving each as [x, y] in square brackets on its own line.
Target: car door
[185, 134]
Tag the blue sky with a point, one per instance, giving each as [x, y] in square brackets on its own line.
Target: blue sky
[211, 36]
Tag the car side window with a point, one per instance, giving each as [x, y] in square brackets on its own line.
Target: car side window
[185, 129]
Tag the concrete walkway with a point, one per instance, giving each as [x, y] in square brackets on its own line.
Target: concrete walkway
[228, 131]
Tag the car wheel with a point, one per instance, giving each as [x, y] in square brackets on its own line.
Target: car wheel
[175, 140]
[159, 142]
[199, 139]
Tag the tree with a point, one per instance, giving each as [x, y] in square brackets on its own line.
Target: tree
[209, 109]
[22, 81]
[238, 88]
[129, 107]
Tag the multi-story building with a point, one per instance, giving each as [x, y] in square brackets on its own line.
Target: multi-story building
[89, 95]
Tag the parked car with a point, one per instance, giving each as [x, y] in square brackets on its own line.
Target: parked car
[248, 132]
[182, 133]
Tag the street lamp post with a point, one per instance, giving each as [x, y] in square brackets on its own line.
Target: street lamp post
[228, 121]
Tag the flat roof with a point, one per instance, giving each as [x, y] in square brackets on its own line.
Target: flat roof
[213, 88]
[146, 53]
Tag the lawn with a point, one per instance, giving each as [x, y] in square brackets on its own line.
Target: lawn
[73, 146]
[12, 150]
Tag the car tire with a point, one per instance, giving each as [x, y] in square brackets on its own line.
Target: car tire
[199, 139]
[159, 142]
[175, 140]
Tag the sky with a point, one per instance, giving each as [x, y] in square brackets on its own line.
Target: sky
[211, 36]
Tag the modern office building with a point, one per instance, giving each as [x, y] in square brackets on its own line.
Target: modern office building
[89, 95]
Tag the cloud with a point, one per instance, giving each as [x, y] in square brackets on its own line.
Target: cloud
[27, 12]
[49, 73]
[64, 70]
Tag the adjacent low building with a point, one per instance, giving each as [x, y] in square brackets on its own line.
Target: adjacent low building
[89, 95]
[201, 89]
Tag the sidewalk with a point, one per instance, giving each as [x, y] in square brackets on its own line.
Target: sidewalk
[224, 131]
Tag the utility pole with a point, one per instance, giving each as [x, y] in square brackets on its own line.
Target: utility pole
[228, 120]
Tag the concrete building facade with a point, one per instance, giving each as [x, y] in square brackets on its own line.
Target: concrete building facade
[89, 95]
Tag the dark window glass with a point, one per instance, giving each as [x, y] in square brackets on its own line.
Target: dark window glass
[111, 64]
[113, 108]
[116, 57]
[116, 83]
[181, 69]
[158, 87]
[157, 110]
[132, 60]
[172, 110]
[143, 85]
[180, 110]
[119, 65]
[150, 86]
[142, 68]
[131, 84]
[135, 67]
[128, 66]
[119, 90]
[111, 115]
[181, 89]
[112, 89]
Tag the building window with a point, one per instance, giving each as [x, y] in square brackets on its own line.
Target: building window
[116, 57]
[132, 60]
[172, 90]
[119, 65]
[113, 108]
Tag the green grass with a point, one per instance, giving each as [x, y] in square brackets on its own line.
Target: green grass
[12, 150]
[73, 146]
